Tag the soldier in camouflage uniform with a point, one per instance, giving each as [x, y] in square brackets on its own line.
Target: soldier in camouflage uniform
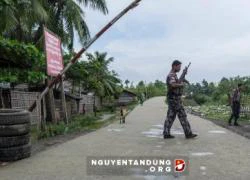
[175, 106]
[235, 104]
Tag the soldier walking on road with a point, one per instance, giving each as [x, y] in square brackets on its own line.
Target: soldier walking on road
[235, 104]
[175, 106]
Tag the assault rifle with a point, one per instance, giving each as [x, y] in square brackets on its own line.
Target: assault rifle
[184, 73]
[182, 78]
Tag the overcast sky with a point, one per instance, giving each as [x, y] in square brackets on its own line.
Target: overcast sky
[212, 34]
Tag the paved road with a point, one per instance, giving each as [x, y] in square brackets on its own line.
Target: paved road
[216, 154]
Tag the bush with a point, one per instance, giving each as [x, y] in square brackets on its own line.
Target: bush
[108, 107]
[201, 99]
[223, 99]
[189, 102]
[21, 62]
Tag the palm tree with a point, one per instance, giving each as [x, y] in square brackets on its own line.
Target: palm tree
[127, 82]
[18, 18]
[24, 20]
[67, 17]
[102, 81]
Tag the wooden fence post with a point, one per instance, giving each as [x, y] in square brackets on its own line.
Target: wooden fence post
[64, 106]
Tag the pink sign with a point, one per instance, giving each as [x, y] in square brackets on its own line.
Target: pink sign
[53, 53]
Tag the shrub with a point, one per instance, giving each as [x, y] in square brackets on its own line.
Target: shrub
[201, 99]
[20, 62]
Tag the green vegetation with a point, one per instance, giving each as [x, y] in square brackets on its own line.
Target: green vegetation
[20, 63]
[216, 112]
[217, 94]
[78, 123]
[102, 81]
[143, 90]
[24, 63]
[23, 20]
[94, 75]
[212, 101]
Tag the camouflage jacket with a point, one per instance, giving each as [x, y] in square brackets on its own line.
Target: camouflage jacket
[171, 79]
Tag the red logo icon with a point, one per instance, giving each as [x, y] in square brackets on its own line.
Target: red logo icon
[180, 165]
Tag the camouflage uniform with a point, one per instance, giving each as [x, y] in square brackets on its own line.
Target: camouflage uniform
[175, 107]
[235, 105]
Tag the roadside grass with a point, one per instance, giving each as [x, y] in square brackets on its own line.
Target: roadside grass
[78, 123]
[220, 113]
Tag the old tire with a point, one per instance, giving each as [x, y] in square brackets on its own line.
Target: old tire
[14, 130]
[15, 153]
[12, 116]
[6, 142]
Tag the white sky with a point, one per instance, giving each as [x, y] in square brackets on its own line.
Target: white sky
[212, 34]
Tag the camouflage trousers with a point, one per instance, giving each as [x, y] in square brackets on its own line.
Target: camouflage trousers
[175, 107]
[235, 111]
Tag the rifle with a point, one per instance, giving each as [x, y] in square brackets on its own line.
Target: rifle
[184, 73]
[182, 78]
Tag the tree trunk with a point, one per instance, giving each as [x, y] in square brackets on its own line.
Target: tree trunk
[1, 99]
[101, 100]
[50, 106]
[63, 100]
[19, 31]
[94, 106]
[73, 87]
[38, 33]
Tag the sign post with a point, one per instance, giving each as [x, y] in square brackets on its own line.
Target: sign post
[55, 65]
[53, 53]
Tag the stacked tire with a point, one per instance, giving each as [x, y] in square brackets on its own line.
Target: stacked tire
[14, 135]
